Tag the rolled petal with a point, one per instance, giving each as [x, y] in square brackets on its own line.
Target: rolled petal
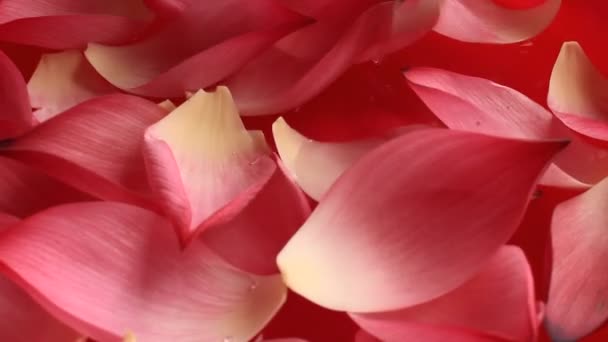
[489, 22]
[480, 105]
[95, 147]
[577, 93]
[16, 117]
[66, 24]
[376, 241]
[144, 282]
[497, 301]
[210, 47]
[252, 240]
[25, 191]
[63, 80]
[278, 80]
[579, 287]
[314, 165]
[203, 163]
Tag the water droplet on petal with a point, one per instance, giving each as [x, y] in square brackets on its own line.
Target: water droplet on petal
[253, 286]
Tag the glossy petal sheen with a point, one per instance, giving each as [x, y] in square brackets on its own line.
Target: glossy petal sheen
[216, 38]
[16, 116]
[488, 22]
[143, 282]
[578, 297]
[314, 165]
[281, 79]
[578, 93]
[63, 80]
[95, 147]
[64, 24]
[388, 236]
[498, 301]
[252, 240]
[203, 163]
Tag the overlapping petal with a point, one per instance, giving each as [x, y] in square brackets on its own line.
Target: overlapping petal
[577, 93]
[214, 40]
[110, 268]
[428, 334]
[282, 79]
[489, 22]
[498, 301]
[66, 24]
[16, 117]
[95, 147]
[387, 236]
[579, 285]
[203, 163]
[63, 80]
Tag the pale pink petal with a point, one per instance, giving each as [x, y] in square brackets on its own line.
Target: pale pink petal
[578, 296]
[95, 146]
[314, 165]
[25, 191]
[402, 227]
[216, 38]
[203, 163]
[279, 80]
[428, 334]
[488, 22]
[16, 117]
[497, 301]
[63, 80]
[577, 93]
[252, 240]
[108, 269]
[480, 105]
[64, 24]
[555, 177]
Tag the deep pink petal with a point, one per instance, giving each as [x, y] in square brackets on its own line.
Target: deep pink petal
[109, 268]
[577, 93]
[25, 191]
[68, 24]
[63, 80]
[16, 116]
[252, 240]
[215, 40]
[488, 22]
[328, 9]
[497, 301]
[203, 163]
[95, 146]
[577, 302]
[427, 334]
[402, 227]
[278, 80]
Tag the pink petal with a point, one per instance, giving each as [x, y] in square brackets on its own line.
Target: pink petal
[579, 286]
[215, 40]
[143, 282]
[488, 22]
[16, 115]
[328, 9]
[25, 191]
[278, 80]
[497, 301]
[95, 147]
[203, 163]
[577, 95]
[65, 24]
[252, 240]
[476, 104]
[426, 334]
[63, 80]
[314, 165]
[380, 219]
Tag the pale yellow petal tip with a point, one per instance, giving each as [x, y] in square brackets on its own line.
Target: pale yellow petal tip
[288, 141]
[167, 105]
[129, 337]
